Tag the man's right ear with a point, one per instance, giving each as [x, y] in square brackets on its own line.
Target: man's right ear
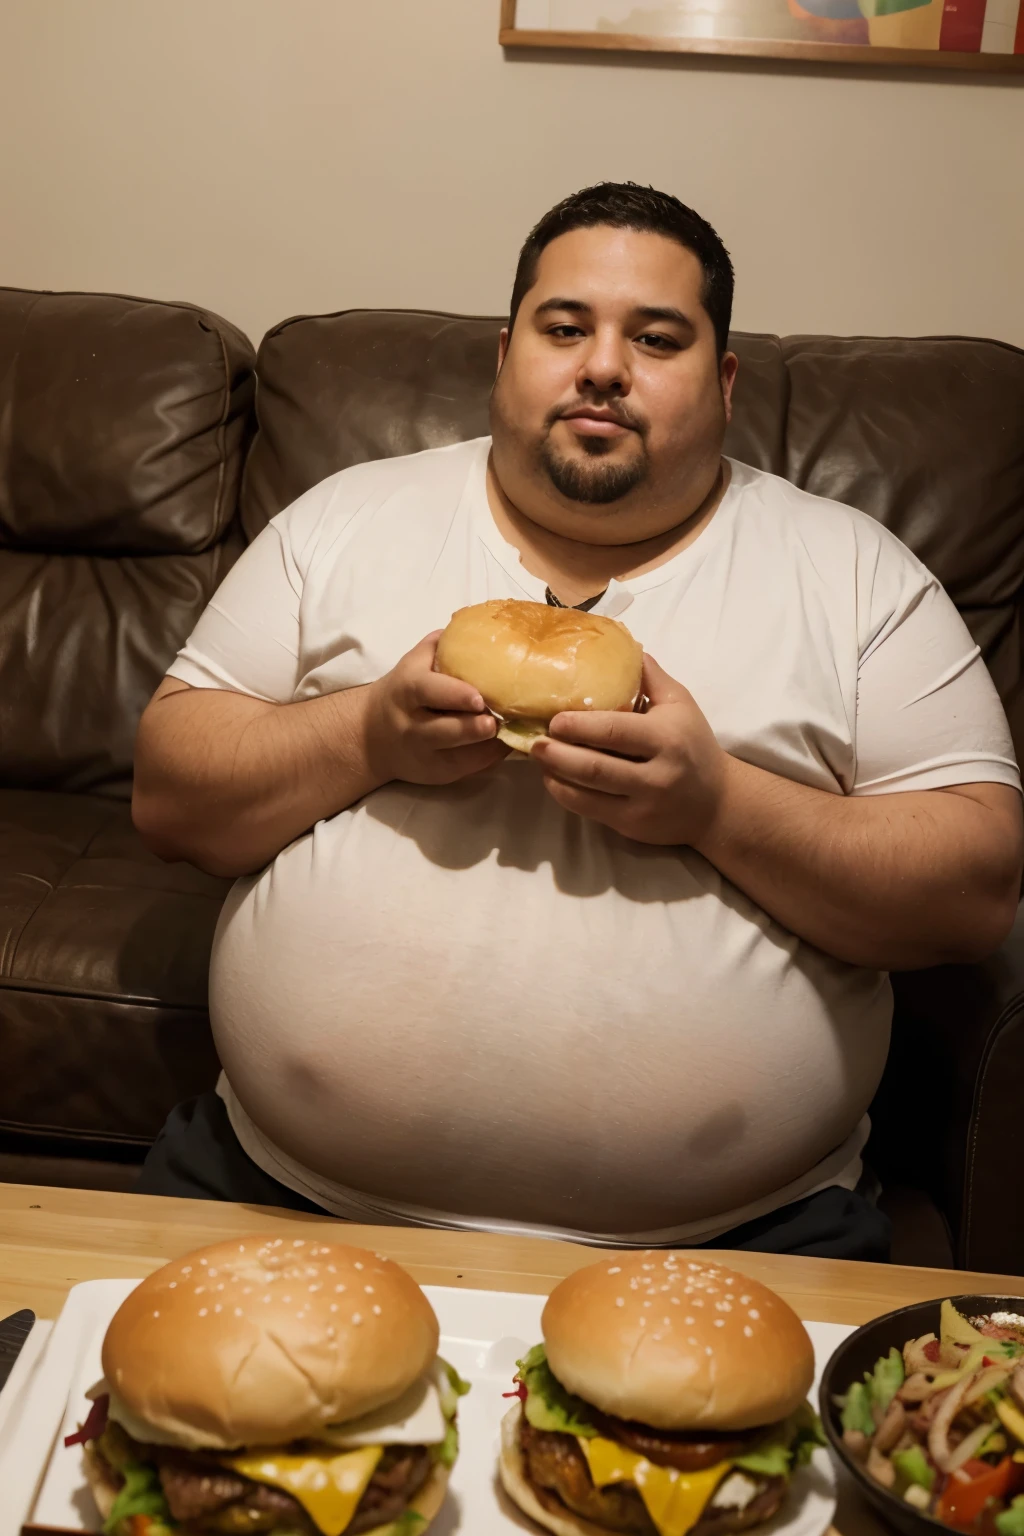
[503, 336]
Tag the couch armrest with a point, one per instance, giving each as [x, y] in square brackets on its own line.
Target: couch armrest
[945, 1117]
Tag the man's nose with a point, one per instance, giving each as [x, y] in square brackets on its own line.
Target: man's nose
[604, 366]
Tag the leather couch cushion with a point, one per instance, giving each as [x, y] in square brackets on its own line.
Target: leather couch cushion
[922, 434]
[123, 423]
[123, 429]
[83, 644]
[104, 954]
[337, 390]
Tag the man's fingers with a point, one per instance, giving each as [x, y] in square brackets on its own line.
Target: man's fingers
[659, 687]
[435, 690]
[474, 759]
[609, 810]
[443, 731]
[607, 731]
[588, 769]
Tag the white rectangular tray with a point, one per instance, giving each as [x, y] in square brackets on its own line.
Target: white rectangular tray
[482, 1334]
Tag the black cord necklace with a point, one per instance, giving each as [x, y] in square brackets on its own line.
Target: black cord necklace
[584, 607]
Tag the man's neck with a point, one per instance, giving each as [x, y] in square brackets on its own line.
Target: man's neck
[574, 571]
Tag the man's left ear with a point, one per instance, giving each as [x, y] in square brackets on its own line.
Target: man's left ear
[502, 345]
[727, 374]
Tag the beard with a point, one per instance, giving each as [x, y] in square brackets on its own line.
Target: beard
[589, 479]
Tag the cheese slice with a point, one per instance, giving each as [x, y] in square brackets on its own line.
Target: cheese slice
[415, 1418]
[674, 1500]
[328, 1484]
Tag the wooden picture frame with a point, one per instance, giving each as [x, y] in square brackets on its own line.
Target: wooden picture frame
[512, 35]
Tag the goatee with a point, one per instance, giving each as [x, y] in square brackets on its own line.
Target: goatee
[595, 482]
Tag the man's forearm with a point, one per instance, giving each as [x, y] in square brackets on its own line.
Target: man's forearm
[892, 882]
[227, 781]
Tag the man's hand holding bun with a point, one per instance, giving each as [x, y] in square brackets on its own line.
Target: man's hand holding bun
[425, 728]
[656, 777]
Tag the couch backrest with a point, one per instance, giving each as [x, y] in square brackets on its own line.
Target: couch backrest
[926, 435]
[124, 425]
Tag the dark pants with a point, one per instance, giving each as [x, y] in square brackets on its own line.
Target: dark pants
[197, 1155]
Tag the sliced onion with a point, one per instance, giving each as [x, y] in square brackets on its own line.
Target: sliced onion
[856, 1442]
[968, 1445]
[990, 1376]
[891, 1427]
[914, 1357]
[953, 1355]
[916, 1388]
[881, 1468]
[938, 1433]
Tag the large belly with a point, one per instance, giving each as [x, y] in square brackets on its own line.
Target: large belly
[468, 1001]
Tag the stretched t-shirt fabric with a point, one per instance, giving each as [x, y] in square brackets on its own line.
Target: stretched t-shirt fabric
[465, 1006]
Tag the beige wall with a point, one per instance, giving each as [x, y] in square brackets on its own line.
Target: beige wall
[268, 157]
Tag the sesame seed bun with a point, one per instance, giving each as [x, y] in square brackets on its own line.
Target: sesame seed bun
[677, 1343]
[530, 661]
[262, 1340]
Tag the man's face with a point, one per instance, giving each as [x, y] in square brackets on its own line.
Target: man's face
[610, 405]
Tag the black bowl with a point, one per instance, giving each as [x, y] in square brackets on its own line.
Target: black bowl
[858, 1354]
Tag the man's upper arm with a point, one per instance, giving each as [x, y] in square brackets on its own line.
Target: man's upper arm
[928, 715]
[247, 638]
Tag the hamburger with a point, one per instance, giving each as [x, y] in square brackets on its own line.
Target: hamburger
[668, 1396]
[530, 661]
[272, 1384]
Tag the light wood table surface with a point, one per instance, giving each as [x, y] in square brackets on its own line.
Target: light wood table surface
[50, 1239]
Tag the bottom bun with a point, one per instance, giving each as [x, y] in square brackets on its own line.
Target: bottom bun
[522, 735]
[426, 1502]
[103, 1490]
[512, 1471]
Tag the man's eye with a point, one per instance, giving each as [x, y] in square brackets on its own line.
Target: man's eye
[658, 343]
[567, 331]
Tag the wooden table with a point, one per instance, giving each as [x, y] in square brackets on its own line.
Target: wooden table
[50, 1239]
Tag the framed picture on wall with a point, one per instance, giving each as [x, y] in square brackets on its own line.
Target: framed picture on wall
[944, 34]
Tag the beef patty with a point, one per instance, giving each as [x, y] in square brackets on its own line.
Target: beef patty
[558, 1470]
[211, 1500]
[673, 1448]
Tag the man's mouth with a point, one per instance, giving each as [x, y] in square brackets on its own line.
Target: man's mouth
[591, 422]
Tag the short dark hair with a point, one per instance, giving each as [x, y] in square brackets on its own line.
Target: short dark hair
[627, 205]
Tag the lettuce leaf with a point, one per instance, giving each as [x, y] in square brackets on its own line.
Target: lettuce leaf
[792, 1445]
[912, 1465]
[1011, 1521]
[448, 1451]
[140, 1494]
[548, 1405]
[864, 1405]
[856, 1410]
[451, 1387]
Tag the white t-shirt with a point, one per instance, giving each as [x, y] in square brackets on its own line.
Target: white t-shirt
[464, 1006]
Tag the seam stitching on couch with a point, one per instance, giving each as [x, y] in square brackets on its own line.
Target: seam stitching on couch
[221, 437]
[35, 988]
[1009, 1015]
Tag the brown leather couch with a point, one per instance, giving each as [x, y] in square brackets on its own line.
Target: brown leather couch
[129, 482]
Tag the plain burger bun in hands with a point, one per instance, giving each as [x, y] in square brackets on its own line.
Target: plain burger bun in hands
[531, 661]
[659, 1377]
[300, 1376]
